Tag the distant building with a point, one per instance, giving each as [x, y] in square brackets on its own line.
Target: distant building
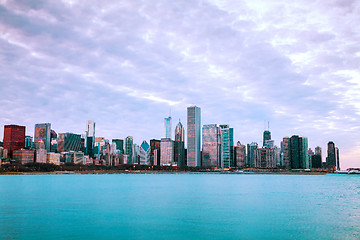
[316, 161]
[14, 138]
[240, 155]
[40, 153]
[269, 143]
[264, 158]
[145, 153]
[299, 156]
[69, 142]
[3, 153]
[179, 145]
[167, 152]
[251, 154]
[119, 145]
[285, 153]
[211, 146]
[54, 141]
[90, 138]
[227, 144]
[167, 123]
[53, 158]
[155, 147]
[28, 142]
[337, 159]
[266, 137]
[43, 133]
[193, 136]
[331, 156]
[72, 157]
[129, 141]
[24, 156]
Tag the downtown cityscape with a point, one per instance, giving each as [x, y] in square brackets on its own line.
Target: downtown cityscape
[210, 146]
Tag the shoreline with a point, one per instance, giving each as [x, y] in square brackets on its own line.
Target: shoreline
[100, 172]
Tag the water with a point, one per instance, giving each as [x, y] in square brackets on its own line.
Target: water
[184, 206]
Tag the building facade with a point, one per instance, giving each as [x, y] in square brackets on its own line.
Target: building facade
[227, 146]
[240, 155]
[43, 133]
[211, 146]
[69, 142]
[14, 138]
[155, 147]
[179, 145]
[167, 125]
[129, 142]
[24, 156]
[167, 152]
[193, 136]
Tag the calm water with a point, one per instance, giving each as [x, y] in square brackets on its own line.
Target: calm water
[168, 206]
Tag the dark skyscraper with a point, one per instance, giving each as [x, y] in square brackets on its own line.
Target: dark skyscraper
[155, 152]
[331, 156]
[193, 136]
[119, 145]
[227, 146]
[179, 145]
[266, 136]
[14, 138]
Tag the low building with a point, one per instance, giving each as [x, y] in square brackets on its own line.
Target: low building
[72, 157]
[24, 156]
[53, 158]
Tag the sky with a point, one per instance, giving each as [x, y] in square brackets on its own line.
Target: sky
[128, 64]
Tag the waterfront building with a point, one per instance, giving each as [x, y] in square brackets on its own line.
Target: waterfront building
[90, 138]
[43, 133]
[299, 156]
[266, 137]
[28, 142]
[167, 152]
[193, 136]
[331, 156]
[316, 161]
[226, 146]
[155, 146]
[251, 154]
[119, 145]
[53, 158]
[129, 141]
[136, 154]
[69, 142]
[337, 159]
[3, 153]
[211, 146]
[144, 153]
[318, 151]
[179, 145]
[72, 157]
[264, 158]
[24, 156]
[277, 156]
[40, 153]
[167, 123]
[285, 153]
[14, 138]
[240, 155]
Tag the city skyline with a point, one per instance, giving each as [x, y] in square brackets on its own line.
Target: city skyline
[124, 65]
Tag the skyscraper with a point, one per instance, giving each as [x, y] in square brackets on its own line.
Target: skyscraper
[266, 137]
[179, 145]
[14, 138]
[167, 152]
[119, 145]
[155, 152]
[285, 149]
[210, 146]
[337, 159]
[227, 146]
[89, 138]
[167, 123]
[129, 141]
[193, 136]
[251, 148]
[331, 156]
[299, 156]
[43, 133]
[240, 155]
[69, 142]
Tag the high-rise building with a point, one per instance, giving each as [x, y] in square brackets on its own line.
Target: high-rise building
[129, 142]
[211, 146]
[89, 138]
[167, 123]
[179, 145]
[299, 156]
[54, 141]
[251, 154]
[43, 133]
[119, 145]
[227, 146]
[155, 152]
[266, 137]
[331, 156]
[69, 142]
[264, 158]
[193, 136]
[240, 155]
[14, 138]
[167, 152]
[337, 159]
[144, 153]
[285, 153]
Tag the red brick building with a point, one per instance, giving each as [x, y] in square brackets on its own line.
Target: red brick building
[14, 138]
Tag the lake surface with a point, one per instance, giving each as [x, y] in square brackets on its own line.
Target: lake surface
[179, 206]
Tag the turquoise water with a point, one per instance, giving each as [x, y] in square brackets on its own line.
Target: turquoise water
[184, 206]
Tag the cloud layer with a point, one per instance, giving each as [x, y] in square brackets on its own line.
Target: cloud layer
[125, 65]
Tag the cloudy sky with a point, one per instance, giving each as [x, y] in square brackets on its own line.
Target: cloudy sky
[125, 65]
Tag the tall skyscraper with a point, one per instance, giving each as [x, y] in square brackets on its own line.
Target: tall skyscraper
[43, 133]
[210, 146]
[144, 153]
[240, 155]
[331, 156]
[89, 138]
[266, 137]
[251, 148]
[155, 152]
[179, 145]
[14, 138]
[129, 141]
[285, 153]
[167, 152]
[227, 146]
[299, 156]
[337, 159]
[167, 123]
[193, 136]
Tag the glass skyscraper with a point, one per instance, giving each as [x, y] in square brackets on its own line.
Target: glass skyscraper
[42, 133]
[210, 146]
[167, 152]
[179, 145]
[193, 136]
[227, 146]
[167, 122]
[129, 148]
